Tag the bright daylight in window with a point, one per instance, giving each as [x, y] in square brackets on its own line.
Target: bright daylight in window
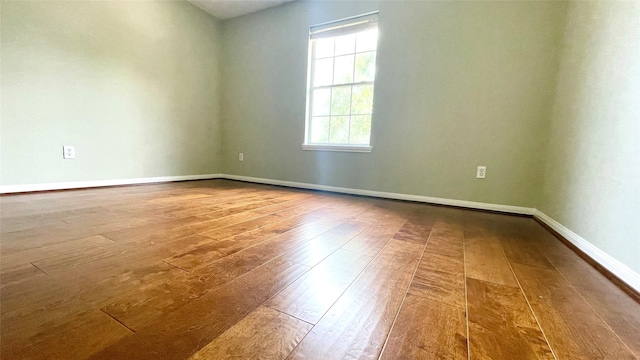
[342, 69]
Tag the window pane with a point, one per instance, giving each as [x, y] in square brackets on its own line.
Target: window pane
[320, 129]
[339, 130]
[344, 70]
[360, 129]
[321, 102]
[365, 66]
[367, 40]
[362, 102]
[341, 100]
[323, 48]
[345, 44]
[323, 72]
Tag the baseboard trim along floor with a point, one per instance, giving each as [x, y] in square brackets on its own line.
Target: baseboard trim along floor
[611, 267]
[389, 195]
[26, 188]
[608, 266]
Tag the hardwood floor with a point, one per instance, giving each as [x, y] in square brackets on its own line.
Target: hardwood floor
[221, 269]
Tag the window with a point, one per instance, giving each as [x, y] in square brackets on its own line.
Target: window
[342, 68]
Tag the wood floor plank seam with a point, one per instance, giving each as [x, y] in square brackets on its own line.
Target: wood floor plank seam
[354, 280]
[259, 227]
[577, 290]
[352, 251]
[337, 296]
[57, 242]
[269, 261]
[176, 266]
[318, 221]
[579, 331]
[486, 277]
[282, 312]
[296, 197]
[118, 321]
[614, 305]
[119, 214]
[324, 258]
[466, 297]
[248, 204]
[263, 204]
[340, 248]
[535, 316]
[255, 202]
[245, 233]
[226, 216]
[109, 236]
[258, 267]
[66, 239]
[34, 265]
[354, 235]
[435, 301]
[193, 351]
[262, 304]
[258, 215]
[405, 294]
[633, 293]
[238, 279]
[219, 228]
[263, 334]
[272, 259]
[309, 269]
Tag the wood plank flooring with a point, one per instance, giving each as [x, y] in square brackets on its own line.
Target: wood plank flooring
[221, 269]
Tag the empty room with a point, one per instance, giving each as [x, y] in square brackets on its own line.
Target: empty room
[314, 179]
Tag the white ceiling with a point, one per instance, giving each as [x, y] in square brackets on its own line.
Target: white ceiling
[227, 9]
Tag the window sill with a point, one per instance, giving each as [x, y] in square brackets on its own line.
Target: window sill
[342, 148]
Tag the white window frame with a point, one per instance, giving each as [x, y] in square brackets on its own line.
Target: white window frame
[333, 29]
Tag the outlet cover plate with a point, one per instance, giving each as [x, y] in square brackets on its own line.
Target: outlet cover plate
[69, 152]
[481, 173]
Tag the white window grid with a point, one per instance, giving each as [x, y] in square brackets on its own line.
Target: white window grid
[351, 84]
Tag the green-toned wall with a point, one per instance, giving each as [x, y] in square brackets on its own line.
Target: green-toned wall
[592, 172]
[133, 85]
[459, 84]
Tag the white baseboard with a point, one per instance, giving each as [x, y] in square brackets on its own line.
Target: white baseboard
[617, 268]
[7, 189]
[620, 270]
[388, 195]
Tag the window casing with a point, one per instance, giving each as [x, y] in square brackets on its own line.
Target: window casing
[341, 74]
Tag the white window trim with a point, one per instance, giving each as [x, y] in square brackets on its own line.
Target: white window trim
[330, 27]
[338, 147]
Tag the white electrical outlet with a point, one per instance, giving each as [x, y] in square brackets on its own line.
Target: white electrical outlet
[241, 157]
[69, 152]
[482, 172]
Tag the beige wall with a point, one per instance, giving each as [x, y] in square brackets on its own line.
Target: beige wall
[459, 84]
[592, 172]
[133, 85]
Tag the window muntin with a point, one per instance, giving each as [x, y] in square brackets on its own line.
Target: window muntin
[341, 82]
